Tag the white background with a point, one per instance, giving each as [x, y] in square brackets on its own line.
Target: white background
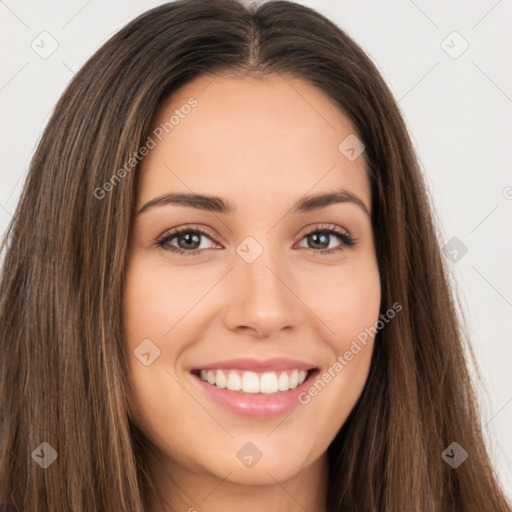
[458, 111]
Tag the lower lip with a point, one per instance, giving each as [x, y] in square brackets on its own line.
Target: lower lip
[256, 405]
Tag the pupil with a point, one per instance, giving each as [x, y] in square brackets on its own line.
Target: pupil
[315, 236]
[188, 238]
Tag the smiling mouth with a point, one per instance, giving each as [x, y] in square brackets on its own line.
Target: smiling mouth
[250, 382]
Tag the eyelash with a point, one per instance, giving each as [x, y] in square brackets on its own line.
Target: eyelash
[347, 241]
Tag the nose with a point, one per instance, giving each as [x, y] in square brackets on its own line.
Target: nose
[262, 300]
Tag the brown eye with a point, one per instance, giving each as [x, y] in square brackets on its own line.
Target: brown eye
[318, 239]
[188, 241]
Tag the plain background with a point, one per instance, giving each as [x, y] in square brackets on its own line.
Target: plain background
[457, 103]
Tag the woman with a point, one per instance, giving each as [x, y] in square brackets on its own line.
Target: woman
[255, 367]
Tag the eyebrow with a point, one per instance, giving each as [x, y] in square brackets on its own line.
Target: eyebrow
[219, 205]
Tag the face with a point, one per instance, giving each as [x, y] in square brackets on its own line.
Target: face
[240, 329]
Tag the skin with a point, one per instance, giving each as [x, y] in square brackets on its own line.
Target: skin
[261, 144]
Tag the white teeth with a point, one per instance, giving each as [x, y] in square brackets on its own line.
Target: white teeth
[221, 381]
[268, 383]
[283, 383]
[294, 379]
[234, 382]
[252, 382]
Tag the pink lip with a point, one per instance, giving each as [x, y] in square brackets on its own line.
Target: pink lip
[256, 405]
[247, 364]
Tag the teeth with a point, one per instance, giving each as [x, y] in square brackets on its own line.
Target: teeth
[234, 381]
[268, 383]
[221, 380]
[283, 382]
[251, 382]
[294, 379]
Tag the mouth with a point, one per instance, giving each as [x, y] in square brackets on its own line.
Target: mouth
[255, 389]
[265, 383]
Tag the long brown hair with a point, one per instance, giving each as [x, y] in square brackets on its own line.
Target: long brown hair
[61, 343]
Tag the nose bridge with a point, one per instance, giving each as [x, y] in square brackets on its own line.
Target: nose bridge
[262, 298]
[258, 266]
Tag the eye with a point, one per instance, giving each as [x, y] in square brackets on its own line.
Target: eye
[189, 240]
[319, 235]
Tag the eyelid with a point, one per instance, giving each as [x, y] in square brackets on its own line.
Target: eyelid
[187, 228]
[326, 227]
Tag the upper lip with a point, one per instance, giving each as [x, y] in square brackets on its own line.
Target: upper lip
[255, 365]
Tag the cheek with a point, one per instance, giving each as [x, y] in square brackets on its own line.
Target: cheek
[350, 305]
[156, 300]
[334, 392]
[151, 307]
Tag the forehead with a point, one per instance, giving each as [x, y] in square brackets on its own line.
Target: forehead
[250, 138]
